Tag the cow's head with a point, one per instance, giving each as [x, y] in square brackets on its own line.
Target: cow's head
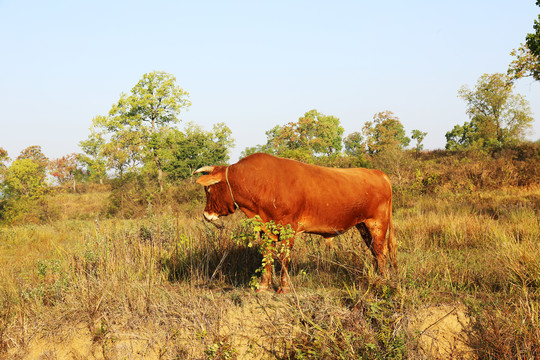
[219, 201]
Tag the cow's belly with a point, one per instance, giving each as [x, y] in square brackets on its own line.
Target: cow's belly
[332, 217]
[326, 228]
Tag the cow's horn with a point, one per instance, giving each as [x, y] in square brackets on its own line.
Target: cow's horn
[206, 169]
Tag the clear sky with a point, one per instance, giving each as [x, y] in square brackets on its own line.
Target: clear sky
[252, 64]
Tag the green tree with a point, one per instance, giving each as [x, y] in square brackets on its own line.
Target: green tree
[533, 39]
[527, 57]
[4, 158]
[525, 64]
[497, 116]
[66, 169]
[287, 141]
[255, 149]
[93, 157]
[323, 133]
[24, 178]
[313, 135]
[354, 144]
[385, 133]
[195, 147]
[123, 149]
[22, 186]
[34, 153]
[355, 150]
[462, 137]
[419, 137]
[138, 122]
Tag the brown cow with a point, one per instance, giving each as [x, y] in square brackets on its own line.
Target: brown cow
[312, 199]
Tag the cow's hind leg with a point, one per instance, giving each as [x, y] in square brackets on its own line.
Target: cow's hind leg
[374, 234]
[366, 235]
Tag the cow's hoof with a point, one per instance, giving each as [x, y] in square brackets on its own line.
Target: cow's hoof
[283, 290]
[262, 289]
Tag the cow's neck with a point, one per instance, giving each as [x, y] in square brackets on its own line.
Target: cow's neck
[229, 186]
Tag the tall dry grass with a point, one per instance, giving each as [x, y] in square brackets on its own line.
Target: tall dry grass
[169, 286]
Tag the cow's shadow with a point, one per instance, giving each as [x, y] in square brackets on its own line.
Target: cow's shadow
[232, 266]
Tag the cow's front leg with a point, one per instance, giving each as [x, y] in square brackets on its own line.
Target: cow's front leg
[285, 260]
[285, 285]
[266, 280]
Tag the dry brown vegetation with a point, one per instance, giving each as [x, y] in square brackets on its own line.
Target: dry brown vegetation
[85, 285]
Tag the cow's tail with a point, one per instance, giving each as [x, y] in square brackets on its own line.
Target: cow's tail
[392, 247]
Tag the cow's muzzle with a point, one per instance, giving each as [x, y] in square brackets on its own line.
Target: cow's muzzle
[210, 216]
[212, 219]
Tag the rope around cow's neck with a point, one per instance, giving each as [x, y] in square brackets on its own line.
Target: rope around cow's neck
[229, 185]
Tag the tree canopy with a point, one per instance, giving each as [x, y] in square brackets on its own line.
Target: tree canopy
[527, 56]
[498, 117]
[419, 137]
[525, 64]
[93, 157]
[354, 144]
[533, 39]
[140, 135]
[313, 135]
[138, 122]
[194, 147]
[23, 184]
[66, 169]
[35, 153]
[3, 159]
[385, 133]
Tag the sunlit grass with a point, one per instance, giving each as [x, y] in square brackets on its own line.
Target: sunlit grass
[184, 280]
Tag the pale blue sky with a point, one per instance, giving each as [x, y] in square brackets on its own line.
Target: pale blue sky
[252, 64]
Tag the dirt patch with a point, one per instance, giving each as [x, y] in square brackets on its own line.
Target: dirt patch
[248, 327]
[258, 327]
[251, 327]
[80, 344]
[441, 332]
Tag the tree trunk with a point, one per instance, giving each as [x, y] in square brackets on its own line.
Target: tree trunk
[156, 157]
[160, 171]
[160, 180]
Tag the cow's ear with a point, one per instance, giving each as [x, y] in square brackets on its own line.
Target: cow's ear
[207, 180]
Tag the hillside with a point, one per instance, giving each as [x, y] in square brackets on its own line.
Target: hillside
[87, 284]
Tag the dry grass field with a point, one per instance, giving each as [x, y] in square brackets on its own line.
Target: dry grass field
[169, 286]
